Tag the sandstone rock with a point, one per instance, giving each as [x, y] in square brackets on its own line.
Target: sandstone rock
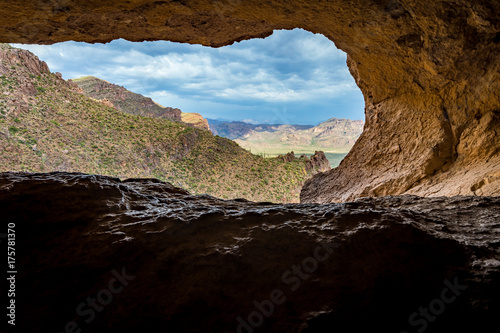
[196, 120]
[428, 70]
[108, 103]
[289, 157]
[319, 162]
[196, 263]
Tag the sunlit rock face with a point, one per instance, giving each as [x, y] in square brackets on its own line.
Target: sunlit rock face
[103, 255]
[429, 72]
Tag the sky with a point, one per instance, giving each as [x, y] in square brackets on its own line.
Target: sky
[291, 77]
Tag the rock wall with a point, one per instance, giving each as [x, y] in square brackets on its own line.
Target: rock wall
[100, 255]
[429, 72]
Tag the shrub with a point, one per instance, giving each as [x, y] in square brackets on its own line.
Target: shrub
[13, 129]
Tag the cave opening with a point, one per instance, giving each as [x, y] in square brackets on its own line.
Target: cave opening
[290, 92]
[430, 74]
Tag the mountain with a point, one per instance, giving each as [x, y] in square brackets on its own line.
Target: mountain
[238, 129]
[127, 101]
[335, 137]
[123, 99]
[47, 124]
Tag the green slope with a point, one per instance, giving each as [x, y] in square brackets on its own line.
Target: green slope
[47, 125]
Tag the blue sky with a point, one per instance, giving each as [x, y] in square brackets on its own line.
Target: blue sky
[292, 77]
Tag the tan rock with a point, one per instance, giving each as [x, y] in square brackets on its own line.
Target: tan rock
[429, 72]
[107, 102]
[196, 120]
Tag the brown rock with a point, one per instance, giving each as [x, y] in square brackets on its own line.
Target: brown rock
[75, 87]
[289, 157]
[428, 70]
[13, 58]
[196, 120]
[107, 102]
[196, 263]
[318, 162]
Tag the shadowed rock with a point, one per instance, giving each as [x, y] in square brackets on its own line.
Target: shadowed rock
[196, 263]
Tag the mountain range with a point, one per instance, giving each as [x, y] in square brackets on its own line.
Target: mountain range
[335, 137]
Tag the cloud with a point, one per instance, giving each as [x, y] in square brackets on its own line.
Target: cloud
[282, 72]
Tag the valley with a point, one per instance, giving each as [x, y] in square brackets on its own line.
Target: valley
[334, 136]
[49, 124]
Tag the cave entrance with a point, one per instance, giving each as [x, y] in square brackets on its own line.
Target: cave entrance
[289, 92]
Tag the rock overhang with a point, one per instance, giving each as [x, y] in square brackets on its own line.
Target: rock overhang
[428, 72]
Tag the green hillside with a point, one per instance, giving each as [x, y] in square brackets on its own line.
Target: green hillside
[47, 124]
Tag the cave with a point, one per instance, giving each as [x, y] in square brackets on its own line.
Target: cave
[412, 210]
[428, 73]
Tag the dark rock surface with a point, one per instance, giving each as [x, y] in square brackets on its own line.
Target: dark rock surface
[196, 264]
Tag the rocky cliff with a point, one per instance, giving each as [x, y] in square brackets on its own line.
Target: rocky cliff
[125, 100]
[317, 162]
[196, 120]
[429, 72]
[98, 254]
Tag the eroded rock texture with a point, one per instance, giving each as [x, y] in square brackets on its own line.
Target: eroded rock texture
[429, 72]
[196, 263]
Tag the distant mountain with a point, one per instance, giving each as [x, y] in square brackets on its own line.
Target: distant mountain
[47, 124]
[332, 136]
[125, 100]
[238, 129]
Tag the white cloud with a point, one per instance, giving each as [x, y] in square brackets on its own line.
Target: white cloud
[288, 67]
